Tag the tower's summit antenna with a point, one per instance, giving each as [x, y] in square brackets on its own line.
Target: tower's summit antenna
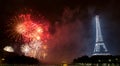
[100, 48]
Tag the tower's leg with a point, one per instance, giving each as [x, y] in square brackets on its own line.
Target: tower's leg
[105, 48]
[97, 48]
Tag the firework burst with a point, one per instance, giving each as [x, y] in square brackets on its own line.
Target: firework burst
[34, 34]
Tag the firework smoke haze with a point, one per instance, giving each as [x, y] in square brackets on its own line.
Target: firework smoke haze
[67, 42]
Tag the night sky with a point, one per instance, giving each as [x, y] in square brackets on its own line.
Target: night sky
[72, 25]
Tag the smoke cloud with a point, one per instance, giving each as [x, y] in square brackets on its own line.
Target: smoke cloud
[67, 41]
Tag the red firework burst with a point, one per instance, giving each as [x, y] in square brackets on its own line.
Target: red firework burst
[32, 30]
[34, 33]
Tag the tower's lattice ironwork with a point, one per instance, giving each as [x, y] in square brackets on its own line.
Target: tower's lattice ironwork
[100, 48]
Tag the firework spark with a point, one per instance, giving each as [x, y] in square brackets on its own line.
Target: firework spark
[8, 49]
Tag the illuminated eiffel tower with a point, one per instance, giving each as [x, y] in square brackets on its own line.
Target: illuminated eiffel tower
[100, 48]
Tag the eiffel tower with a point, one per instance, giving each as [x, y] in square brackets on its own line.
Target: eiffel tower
[100, 48]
